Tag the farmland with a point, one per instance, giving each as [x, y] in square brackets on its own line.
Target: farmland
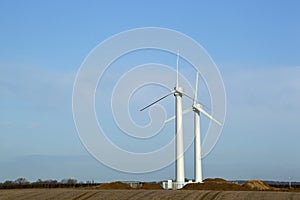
[91, 194]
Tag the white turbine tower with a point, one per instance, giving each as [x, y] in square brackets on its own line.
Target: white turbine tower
[178, 92]
[197, 108]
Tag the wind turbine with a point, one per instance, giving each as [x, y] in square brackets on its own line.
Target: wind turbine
[197, 108]
[178, 93]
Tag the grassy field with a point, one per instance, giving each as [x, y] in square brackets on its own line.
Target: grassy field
[84, 194]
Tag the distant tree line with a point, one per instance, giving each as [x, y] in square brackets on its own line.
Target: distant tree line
[279, 184]
[65, 183]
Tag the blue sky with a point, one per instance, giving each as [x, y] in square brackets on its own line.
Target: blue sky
[255, 44]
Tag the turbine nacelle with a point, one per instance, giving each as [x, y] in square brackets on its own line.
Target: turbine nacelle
[197, 107]
[178, 91]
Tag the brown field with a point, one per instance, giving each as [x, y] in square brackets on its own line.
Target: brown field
[84, 194]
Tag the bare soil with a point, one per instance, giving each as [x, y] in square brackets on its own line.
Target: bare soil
[215, 184]
[257, 185]
[151, 186]
[114, 186]
[92, 194]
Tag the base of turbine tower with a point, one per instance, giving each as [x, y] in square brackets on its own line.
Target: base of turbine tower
[170, 185]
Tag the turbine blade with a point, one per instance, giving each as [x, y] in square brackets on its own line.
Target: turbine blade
[188, 96]
[177, 76]
[209, 116]
[170, 119]
[183, 112]
[157, 101]
[196, 88]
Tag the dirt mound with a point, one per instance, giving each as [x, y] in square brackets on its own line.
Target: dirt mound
[214, 180]
[114, 186]
[221, 184]
[151, 186]
[257, 185]
[215, 185]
